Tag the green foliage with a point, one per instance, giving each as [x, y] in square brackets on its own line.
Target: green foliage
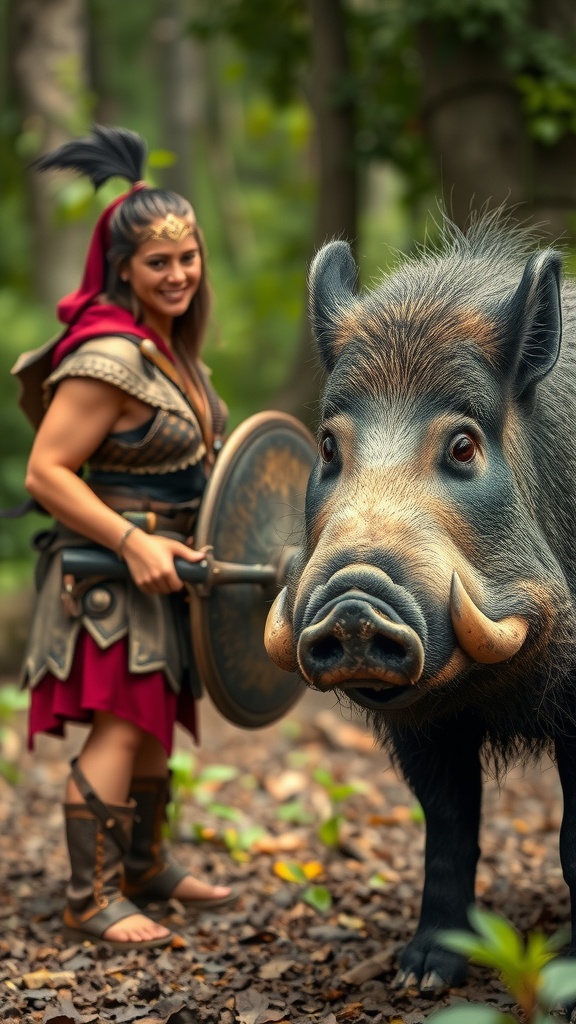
[538, 980]
[385, 76]
[239, 842]
[417, 815]
[337, 791]
[474, 1013]
[276, 36]
[316, 896]
[329, 830]
[22, 326]
[12, 700]
[294, 812]
[540, 59]
[188, 780]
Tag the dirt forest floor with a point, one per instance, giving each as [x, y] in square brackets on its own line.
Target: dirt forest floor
[273, 957]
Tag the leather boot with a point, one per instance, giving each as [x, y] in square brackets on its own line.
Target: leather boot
[98, 836]
[150, 874]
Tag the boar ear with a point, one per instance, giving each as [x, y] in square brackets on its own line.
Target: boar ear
[331, 285]
[534, 318]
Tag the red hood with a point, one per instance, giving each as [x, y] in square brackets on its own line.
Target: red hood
[85, 317]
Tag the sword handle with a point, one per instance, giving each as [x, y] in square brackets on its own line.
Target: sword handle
[84, 562]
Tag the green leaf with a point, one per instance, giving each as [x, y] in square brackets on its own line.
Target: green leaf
[9, 771]
[558, 983]
[474, 1013]
[223, 811]
[294, 812]
[558, 939]
[319, 897]
[329, 831]
[218, 773]
[546, 129]
[323, 777]
[478, 950]
[12, 699]
[182, 766]
[339, 793]
[249, 836]
[230, 838]
[464, 942]
[498, 932]
[537, 952]
[290, 872]
[417, 815]
[197, 831]
[377, 881]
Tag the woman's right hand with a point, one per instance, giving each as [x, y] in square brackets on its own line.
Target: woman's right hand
[150, 560]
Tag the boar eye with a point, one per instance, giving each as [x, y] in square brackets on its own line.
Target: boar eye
[327, 447]
[463, 448]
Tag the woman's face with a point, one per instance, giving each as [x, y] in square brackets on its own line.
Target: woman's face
[164, 275]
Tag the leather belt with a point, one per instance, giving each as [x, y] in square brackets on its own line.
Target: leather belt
[150, 515]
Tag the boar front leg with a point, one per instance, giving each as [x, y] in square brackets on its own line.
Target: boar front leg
[442, 767]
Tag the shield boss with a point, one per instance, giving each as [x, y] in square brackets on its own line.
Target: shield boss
[251, 513]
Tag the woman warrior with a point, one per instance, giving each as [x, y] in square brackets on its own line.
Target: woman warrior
[120, 459]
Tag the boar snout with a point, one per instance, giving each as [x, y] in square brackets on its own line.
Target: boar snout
[355, 639]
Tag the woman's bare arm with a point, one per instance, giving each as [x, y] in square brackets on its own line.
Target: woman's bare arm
[81, 415]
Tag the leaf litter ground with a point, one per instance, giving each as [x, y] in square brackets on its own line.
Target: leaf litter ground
[314, 935]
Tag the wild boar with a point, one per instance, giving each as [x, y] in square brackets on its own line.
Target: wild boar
[436, 584]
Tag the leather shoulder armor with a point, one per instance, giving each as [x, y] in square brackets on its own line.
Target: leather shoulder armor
[118, 361]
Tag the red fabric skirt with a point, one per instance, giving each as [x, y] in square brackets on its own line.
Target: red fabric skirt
[100, 681]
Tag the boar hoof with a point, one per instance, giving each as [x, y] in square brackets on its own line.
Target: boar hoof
[433, 967]
[404, 980]
[433, 984]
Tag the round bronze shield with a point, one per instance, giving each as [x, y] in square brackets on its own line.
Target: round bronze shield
[251, 513]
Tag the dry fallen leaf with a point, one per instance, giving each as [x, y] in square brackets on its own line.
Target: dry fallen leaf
[343, 735]
[286, 785]
[279, 844]
[49, 979]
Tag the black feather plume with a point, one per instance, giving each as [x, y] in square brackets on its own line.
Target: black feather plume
[105, 153]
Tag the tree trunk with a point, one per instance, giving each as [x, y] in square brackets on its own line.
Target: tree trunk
[337, 197]
[49, 67]
[180, 81]
[475, 127]
[236, 237]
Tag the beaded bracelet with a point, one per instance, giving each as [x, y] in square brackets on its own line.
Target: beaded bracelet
[124, 538]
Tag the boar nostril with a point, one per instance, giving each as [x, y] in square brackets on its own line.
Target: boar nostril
[327, 651]
[386, 648]
[354, 639]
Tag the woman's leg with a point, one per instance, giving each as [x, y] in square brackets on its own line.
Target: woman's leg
[107, 761]
[151, 762]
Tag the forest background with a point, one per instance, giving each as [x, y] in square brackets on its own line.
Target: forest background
[287, 123]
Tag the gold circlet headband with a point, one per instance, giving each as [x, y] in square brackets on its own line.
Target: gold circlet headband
[172, 228]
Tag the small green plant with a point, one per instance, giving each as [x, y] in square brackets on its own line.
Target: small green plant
[203, 784]
[240, 841]
[536, 977]
[330, 830]
[294, 813]
[316, 896]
